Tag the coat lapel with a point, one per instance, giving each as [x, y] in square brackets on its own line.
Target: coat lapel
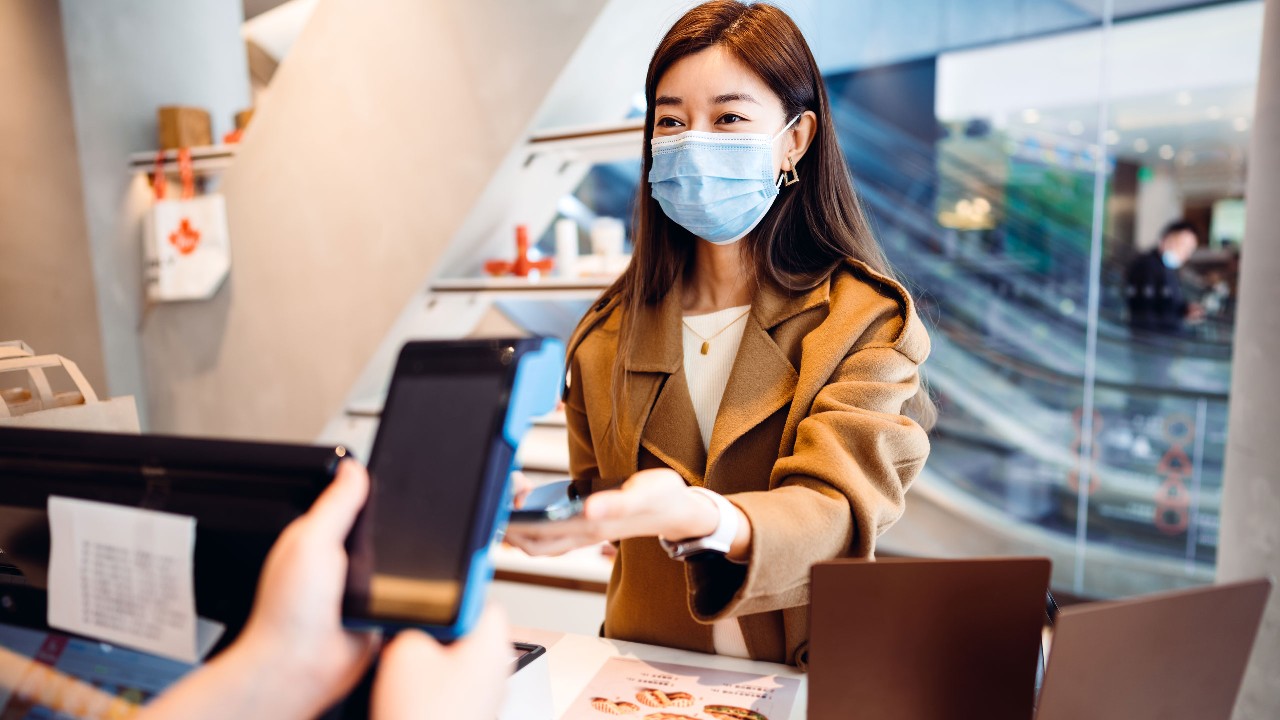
[762, 379]
[669, 427]
[672, 433]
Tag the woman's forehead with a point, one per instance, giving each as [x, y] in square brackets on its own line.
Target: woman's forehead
[713, 73]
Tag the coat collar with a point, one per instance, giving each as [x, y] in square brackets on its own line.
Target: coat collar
[762, 379]
[772, 306]
[661, 348]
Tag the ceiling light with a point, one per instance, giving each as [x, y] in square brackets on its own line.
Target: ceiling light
[1031, 116]
[1075, 127]
[1214, 112]
[1240, 123]
[1166, 152]
[1111, 136]
[1141, 145]
[1183, 98]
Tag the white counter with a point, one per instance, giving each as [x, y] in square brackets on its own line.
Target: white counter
[573, 660]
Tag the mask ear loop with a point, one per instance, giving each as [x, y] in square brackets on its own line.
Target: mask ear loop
[787, 178]
[786, 128]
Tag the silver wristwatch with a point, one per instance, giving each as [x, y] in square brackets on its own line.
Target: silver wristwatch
[719, 541]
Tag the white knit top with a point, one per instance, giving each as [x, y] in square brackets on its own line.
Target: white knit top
[707, 376]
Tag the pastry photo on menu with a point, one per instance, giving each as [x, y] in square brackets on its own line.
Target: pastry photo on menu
[627, 687]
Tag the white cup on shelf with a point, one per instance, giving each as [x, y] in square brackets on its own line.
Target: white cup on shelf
[607, 235]
[567, 247]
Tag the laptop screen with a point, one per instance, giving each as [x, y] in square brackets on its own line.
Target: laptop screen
[47, 674]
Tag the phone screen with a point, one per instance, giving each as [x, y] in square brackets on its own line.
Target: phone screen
[410, 551]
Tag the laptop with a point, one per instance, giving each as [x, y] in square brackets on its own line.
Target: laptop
[242, 495]
[1174, 656]
[926, 639]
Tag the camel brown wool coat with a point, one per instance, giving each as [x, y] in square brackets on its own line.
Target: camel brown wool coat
[810, 442]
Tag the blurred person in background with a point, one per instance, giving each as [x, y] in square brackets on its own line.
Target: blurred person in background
[1157, 303]
[1158, 314]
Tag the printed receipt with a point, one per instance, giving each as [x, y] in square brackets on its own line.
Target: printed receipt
[123, 575]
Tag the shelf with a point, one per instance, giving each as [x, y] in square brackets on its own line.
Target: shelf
[539, 284]
[204, 159]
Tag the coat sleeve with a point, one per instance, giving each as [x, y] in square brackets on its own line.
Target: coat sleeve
[854, 457]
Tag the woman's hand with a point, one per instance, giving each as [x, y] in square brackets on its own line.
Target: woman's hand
[521, 486]
[419, 678]
[650, 503]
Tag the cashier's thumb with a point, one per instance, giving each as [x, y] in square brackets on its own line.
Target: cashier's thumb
[335, 510]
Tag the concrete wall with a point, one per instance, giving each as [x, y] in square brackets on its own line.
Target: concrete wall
[46, 284]
[125, 58]
[379, 133]
[1250, 543]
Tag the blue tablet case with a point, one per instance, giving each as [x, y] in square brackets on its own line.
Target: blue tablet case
[534, 390]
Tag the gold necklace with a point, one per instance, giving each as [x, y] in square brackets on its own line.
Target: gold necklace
[706, 341]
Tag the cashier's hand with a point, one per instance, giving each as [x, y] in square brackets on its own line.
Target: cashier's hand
[651, 503]
[419, 678]
[297, 615]
[293, 659]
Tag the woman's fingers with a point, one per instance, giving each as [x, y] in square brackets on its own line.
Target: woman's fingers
[520, 488]
[607, 505]
[551, 547]
[549, 542]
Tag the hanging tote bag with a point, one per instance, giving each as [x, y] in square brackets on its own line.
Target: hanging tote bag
[27, 398]
[186, 245]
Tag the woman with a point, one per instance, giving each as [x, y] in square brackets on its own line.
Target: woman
[745, 400]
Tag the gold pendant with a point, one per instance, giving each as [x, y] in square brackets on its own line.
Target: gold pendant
[705, 347]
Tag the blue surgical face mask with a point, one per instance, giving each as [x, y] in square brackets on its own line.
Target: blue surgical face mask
[717, 186]
[1171, 259]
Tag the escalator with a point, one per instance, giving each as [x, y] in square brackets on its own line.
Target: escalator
[1009, 358]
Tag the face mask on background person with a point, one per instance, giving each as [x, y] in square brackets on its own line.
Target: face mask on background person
[1171, 259]
[717, 186]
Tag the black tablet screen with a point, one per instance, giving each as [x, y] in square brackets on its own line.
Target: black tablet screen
[427, 464]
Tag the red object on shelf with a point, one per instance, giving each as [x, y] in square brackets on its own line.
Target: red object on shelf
[522, 265]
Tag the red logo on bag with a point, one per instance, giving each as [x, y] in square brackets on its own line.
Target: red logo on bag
[186, 238]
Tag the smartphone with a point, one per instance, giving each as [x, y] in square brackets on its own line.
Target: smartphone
[551, 502]
[439, 468]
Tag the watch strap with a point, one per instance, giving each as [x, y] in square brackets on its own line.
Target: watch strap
[719, 541]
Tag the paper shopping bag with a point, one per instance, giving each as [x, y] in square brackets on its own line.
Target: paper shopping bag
[188, 252]
[27, 398]
[187, 248]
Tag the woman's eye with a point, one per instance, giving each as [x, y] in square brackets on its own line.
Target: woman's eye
[728, 118]
[668, 122]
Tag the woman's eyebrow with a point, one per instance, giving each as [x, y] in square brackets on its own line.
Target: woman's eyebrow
[667, 100]
[733, 97]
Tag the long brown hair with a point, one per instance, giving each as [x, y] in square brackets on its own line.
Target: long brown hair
[811, 228]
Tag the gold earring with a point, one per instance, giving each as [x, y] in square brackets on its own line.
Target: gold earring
[790, 177]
